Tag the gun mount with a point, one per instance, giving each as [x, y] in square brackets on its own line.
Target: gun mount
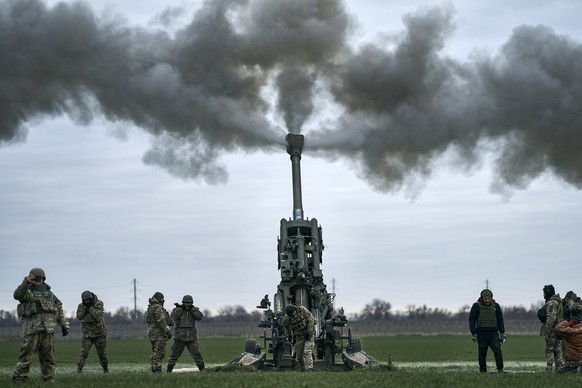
[299, 257]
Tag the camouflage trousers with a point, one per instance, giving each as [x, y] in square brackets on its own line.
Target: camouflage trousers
[158, 354]
[178, 348]
[554, 351]
[304, 353]
[42, 343]
[571, 367]
[100, 345]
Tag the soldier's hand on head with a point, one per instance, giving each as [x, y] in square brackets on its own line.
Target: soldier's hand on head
[65, 330]
[474, 337]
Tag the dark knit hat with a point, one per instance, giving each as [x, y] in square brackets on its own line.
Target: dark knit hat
[159, 296]
[486, 293]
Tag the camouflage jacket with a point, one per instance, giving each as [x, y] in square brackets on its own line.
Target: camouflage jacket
[554, 314]
[185, 321]
[39, 308]
[301, 323]
[158, 320]
[572, 340]
[92, 317]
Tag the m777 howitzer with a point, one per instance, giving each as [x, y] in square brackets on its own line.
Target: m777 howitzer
[299, 257]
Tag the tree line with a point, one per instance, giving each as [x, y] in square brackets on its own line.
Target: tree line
[376, 310]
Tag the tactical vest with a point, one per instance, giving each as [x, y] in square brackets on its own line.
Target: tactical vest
[487, 316]
[41, 302]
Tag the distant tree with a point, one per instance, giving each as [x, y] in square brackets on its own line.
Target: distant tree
[8, 318]
[376, 310]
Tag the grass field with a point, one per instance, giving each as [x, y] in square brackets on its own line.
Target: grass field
[419, 361]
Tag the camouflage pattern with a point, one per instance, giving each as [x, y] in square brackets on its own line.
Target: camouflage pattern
[159, 332]
[94, 331]
[300, 325]
[39, 310]
[185, 334]
[553, 350]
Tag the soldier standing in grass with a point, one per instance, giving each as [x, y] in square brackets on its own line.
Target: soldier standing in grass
[299, 322]
[185, 334]
[553, 310]
[487, 329]
[39, 310]
[159, 332]
[91, 311]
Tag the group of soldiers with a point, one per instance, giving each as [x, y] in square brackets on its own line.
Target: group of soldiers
[561, 327]
[562, 330]
[40, 311]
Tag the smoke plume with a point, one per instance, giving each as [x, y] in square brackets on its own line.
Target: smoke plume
[207, 88]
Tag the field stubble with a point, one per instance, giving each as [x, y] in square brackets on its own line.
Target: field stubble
[419, 361]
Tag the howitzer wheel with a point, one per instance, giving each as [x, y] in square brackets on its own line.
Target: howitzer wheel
[356, 345]
[251, 346]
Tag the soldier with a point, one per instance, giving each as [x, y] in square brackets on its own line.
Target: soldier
[39, 310]
[571, 333]
[487, 329]
[553, 311]
[185, 334]
[159, 332]
[569, 301]
[299, 322]
[90, 311]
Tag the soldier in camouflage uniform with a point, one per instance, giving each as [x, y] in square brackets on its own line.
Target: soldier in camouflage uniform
[553, 309]
[185, 334]
[39, 310]
[300, 323]
[90, 311]
[159, 332]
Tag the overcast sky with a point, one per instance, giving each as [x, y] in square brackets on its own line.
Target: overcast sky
[143, 140]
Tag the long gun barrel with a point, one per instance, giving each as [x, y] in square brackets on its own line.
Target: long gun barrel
[294, 148]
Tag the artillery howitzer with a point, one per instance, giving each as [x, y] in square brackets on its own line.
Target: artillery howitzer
[299, 256]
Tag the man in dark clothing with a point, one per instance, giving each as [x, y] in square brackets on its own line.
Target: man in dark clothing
[487, 329]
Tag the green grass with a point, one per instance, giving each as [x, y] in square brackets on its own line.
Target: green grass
[420, 361]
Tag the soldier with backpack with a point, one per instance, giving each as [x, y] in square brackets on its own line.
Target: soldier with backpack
[552, 314]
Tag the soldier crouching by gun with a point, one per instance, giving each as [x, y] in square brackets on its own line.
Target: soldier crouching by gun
[299, 322]
[185, 334]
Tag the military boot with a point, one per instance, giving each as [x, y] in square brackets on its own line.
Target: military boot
[105, 369]
[200, 366]
[169, 368]
[79, 369]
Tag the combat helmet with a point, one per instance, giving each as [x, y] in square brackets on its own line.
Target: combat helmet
[38, 272]
[187, 299]
[86, 295]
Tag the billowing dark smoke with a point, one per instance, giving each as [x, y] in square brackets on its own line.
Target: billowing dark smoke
[211, 87]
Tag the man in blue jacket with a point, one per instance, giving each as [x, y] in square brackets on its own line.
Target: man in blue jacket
[487, 329]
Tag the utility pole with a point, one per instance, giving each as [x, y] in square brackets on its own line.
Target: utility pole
[487, 283]
[134, 298]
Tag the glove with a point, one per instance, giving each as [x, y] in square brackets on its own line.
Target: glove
[306, 337]
[169, 334]
[474, 338]
[502, 337]
[65, 330]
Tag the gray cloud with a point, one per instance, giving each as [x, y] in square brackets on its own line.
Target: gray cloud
[200, 91]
